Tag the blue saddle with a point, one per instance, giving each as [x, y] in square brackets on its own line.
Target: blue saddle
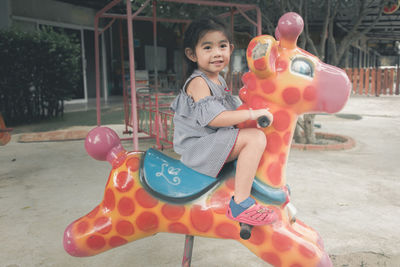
[170, 180]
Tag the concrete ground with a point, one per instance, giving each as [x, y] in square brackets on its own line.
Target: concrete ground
[351, 197]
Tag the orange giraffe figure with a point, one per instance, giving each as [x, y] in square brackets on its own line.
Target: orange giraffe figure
[147, 192]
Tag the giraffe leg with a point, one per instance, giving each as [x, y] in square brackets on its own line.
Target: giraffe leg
[280, 246]
[120, 218]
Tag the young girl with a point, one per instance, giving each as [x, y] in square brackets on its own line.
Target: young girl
[205, 117]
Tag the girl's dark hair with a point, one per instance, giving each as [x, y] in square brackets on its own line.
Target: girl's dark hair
[196, 30]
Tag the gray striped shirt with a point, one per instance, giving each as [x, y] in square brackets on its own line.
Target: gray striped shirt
[202, 147]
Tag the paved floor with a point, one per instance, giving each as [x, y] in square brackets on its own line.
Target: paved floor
[351, 197]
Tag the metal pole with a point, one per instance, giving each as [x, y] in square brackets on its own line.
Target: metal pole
[124, 91]
[97, 62]
[134, 116]
[187, 251]
[156, 117]
[97, 57]
[259, 25]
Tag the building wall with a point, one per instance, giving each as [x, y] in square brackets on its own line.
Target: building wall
[52, 10]
[4, 14]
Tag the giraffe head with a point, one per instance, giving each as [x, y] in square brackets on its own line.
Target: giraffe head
[284, 75]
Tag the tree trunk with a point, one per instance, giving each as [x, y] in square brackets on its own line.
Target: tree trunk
[309, 133]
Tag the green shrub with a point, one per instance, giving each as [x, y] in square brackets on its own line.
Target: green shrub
[37, 72]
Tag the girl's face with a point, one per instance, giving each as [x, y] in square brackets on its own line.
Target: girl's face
[212, 53]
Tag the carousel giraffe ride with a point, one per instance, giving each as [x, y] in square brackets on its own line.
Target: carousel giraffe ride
[148, 192]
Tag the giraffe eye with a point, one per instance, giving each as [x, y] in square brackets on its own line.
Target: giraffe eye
[303, 67]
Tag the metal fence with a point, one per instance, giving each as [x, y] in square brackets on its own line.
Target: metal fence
[156, 125]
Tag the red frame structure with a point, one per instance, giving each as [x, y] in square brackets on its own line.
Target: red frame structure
[239, 8]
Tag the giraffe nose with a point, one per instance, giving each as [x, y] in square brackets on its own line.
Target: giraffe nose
[70, 245]
[334, 89]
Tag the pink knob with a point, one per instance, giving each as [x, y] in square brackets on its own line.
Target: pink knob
[102, 143]
[290, 26]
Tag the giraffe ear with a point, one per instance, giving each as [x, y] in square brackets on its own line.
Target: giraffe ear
[261, 55]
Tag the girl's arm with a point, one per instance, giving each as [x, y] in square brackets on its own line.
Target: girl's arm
[198, 89]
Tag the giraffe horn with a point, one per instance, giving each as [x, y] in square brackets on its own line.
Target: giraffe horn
[290, 26]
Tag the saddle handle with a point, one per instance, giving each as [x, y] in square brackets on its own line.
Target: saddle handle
[263, 121]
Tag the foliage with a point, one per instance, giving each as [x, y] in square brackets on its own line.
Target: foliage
[38, 71]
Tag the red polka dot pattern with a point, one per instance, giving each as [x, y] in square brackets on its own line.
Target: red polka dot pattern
[258, 236]
[117, 241]
[147, 221]
[307, 251]
[268, 86]
[82, 227]
[227, 230]
[133, 164]
[126, 206]
[219, 201]
[103, 225]
[125, 228]
[281, 241]
[274, 143]
[144, 199]
[249, 79]
[202, 220]
[178, 228]
[258, 102]
[272, 258]
[260, 64]
[123, 182]
[281, 120]
[243, 94]
[310, 93]
[109, 200]
[291, 95]
[95, 242]
[274, 172]
[282, 158]
[172, 212]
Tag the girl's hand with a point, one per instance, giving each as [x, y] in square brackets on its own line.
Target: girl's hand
[255, 114]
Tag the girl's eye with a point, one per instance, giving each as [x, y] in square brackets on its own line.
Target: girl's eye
[224, 45]
[207, 47]
[303, 67]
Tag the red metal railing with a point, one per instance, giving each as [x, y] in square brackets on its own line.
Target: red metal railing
[156, 126]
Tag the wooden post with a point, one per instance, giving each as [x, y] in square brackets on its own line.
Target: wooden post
[385, 81]
[378, 82]
[397, 80]
[355, 78]
[373, 81]
[367, 81]
[361, 82]
[391, 79]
